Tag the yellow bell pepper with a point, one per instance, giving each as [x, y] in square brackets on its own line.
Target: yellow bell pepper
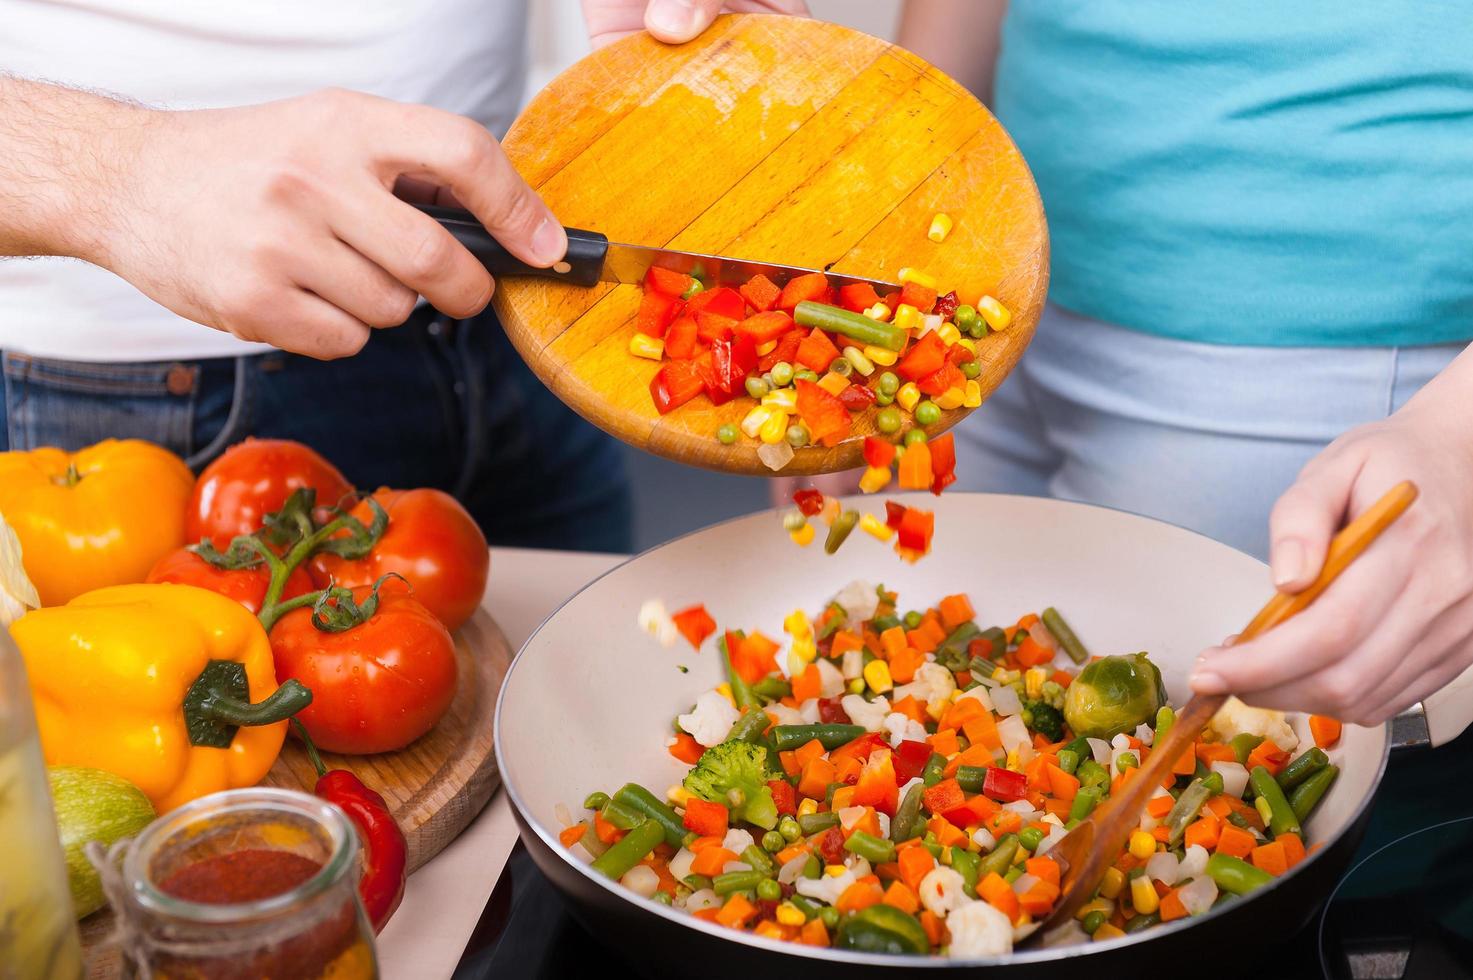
[101, 516]
[171, 687]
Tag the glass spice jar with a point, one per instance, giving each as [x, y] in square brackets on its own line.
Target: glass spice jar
[244, 884]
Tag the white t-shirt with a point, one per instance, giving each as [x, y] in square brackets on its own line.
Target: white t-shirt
[465, 56]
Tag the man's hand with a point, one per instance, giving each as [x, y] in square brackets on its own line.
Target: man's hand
[672, 21]
[1398, 623]
[279, 222]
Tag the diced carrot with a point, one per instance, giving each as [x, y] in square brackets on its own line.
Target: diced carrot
[1162, 833]
[1269, 756]
[1061, 784]
[1003, 822]
[1172, 907]
[887, 871]
[908, 705]
[945, 795]
[791, 851]
[1028, 621]
[1204, 832]
[1031, 653]
[860, 895]
[1125, 862]
[955, 610]
[902, 897]
[703, 843]
[893, 641]
[1059, 808]
[709, 915]
[814, 933]
[945, 741]
[1186, 763]
[847, 767]
[1210, 752]
[974, 755]
[931, 626]
[1159, 806]
[686, 749]
[869, 823]
[606, 831]
[1293, 848]
[935, 928]
[1235, 841]
[917, 638]
[903, 666]
[791, 765]
[817, 775]
[710, 861]
[844, 641]
[807, 683]
[1271, 858]
[808, 751]
[981, 729]
[1219, 807]
[1325, 730]
[915, 863]
[957, 713]
[817, 352]
[737, 911]
[995, 891]
[947, 833]
[1062, 678]
[1039, 899]
[572, 835]
[1043, 867]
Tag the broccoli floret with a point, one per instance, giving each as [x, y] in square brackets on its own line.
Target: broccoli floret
[1047, 720]
[735, 774]
[1053, 694]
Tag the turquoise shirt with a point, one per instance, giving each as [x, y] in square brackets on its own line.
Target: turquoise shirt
[1267, 172]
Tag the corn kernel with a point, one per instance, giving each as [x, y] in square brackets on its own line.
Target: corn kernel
[948, 333]
[1012, 760]
[764, 349]
[1107, 931]
[1099, 904]
[775, 429]
[997, 316]
[935, 709]
[1000, 674]
[856, 686]
[972, 394]
[875, 478]
[1264, 810]
[805, 650]
[873, 525]
[918, 277]
[643, 345]
[833, 383]
[1142, 845]
[1143, 895]
[862, 364]
[789, 914]
[797, 625]
[908, 396]
[807, 807]
[877, 676]
[941, 226]
[724, 689]
[781, 399]
[1023, 854]
[1112, 883]
[834, 870]
[752, 424]
[1033, 682]
[802, 537]
[968, 344]
[678, 795]
[881, 356]
[907, 317]
[879, 312]
[951, 398]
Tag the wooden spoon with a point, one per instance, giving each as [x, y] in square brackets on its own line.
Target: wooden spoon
[773, 139]
[1089, 850]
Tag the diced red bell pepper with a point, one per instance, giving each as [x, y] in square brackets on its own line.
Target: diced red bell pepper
[656, 311]
[812, 286]
[942, 380]
[786, 349]
[667, 281]
[715, 384]
[705, 818]
[959, 355]
[723, 301]
[943, 462]
[921, 297]
[817, 351]
[680, 339]
[823, 413]
[878, 451]
[910, 758]
[695, 624]
[831, 846]
[784, 796]
[894, 513]
[676, 383]
[831, 712]
[761, 293]
[764, 327]
[858, 297]
[877, 786]
[946, 305]
[916, 528]
[713, 327]
[945, 795]
[972, 812]
[860, 748]
[925, 357]
[809, 501]
[733, 359]
[856, 398]
[1004, 785]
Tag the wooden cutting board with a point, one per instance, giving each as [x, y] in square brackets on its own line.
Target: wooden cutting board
[776, 139]
[434, 787]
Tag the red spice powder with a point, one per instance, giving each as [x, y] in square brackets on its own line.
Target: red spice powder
[240, 876]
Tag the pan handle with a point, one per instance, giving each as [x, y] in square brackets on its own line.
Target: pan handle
[1446, 713]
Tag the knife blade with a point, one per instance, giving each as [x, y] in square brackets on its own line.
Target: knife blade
[592, 258]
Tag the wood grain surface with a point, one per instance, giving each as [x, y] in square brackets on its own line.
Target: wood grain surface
[434, 787]
[775, 139]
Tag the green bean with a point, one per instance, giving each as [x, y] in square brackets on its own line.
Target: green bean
[789, 737]
[749, 727]
[1308, 793]
[1065, 635]
[934, 770]
[1213, 782]
[1091, 773]
[1084, 803]
[595, 800]
[997, 638]
[1139, 922]
[1243, 746]
[971, 778]
[696, 882]
[689, 839]
[737, 881]
[813, 823]
[633, 848]
[1013, 873]
[1239, 821]
[813, 867]
[1281, 815]
[1308, 763]
[636, 797]
[830, 917]
[1068, 760]
[620, 815]
[1165, 718]
[907, 821]
[759, 859]
[772, 688]
[967, 864]
[741, 691]
[1184, 811]
[840, 530]
[959, 639]
[855, 326]
[1235, 875]
[1000, 858]
[804, 905]
[875, 850]
[1029, 838]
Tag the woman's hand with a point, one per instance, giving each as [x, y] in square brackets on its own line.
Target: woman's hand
[672, 21]
[1398, 623]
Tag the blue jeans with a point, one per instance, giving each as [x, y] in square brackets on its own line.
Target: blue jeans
[434, 403]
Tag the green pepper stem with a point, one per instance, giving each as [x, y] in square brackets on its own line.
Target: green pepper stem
[282, 703]
[312, 752]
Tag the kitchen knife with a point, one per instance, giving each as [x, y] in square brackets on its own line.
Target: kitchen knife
[592, 258]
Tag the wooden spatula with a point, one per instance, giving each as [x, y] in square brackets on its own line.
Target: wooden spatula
[1089, 850]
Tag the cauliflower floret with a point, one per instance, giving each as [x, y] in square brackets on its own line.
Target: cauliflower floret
[932, 682]
[869, 715]
[828, 889]
[942, 890]
[902, 728]
[978, 929]
[655, 621]
[808, 711]
[1237, 718]
[710, 720]
[736, 841]
[852, 664]
[859, 600]
[831, 682]
[784, 714]
[17, 594]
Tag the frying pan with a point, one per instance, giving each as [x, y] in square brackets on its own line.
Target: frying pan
[588, 701]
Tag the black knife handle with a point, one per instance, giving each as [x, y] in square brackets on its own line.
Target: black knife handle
[582, 266]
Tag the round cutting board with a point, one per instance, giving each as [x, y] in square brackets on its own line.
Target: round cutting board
[434, 787]
[775, 139]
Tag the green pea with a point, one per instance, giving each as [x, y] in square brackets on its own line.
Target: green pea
[695, 287]
[888, 420]
[882, 399]
[1030, 838]
[928, 413]
[727, 434]
[769, 890]
[1093, 921]
[972, 369]
[767, 377]
[789, 829]
[841, 366]
[663, 898]
[794, 520]
[595, 801]
[914, 436]
[830, 917]
[1127, 760]
[889, 383]
[912, 620]
[797, 436]
[804, 375]
[772, 842]
[964, 316]
[782, 374]
[756, 387]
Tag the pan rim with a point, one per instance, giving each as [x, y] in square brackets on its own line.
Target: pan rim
[829, 954]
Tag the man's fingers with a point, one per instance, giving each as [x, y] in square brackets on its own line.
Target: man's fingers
[678, 21]
[355, 284]
[302, 322]
[1306, 516]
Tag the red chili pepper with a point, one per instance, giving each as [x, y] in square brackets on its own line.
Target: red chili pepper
[946, 305]
[1004, 784]
[385, 852]
[809, 501]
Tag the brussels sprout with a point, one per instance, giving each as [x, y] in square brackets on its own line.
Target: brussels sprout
[1114, 695]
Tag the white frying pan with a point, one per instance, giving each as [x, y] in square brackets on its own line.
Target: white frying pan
[588, 702]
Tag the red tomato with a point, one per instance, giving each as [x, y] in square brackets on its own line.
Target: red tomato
[375, 687]
[252, 479]
[432, 542]
[246, 586]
